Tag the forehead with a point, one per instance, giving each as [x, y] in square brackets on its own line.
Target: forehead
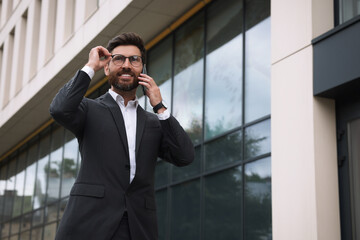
[127, 50]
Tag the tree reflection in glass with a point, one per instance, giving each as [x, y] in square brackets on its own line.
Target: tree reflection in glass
[258, 200]
[223, 98]
[188, 81]
[222, 209]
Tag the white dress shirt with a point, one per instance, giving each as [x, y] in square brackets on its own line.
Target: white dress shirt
[130, 116]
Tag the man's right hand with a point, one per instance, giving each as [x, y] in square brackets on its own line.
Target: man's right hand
[98, 58]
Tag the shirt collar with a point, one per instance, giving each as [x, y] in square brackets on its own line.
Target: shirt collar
[119, 99]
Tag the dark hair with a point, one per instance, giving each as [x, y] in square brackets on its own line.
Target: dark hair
[128, 38]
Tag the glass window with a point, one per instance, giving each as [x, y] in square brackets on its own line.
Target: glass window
[36, 233]
[15, 226]
[354, 169]
[5, 229]
[222, 209]
[185, 218]
[26, 222]
[160, 68]
[54, 172]
[14, 237]
[51, 213]
[10, 190]
[19, 185]
[162, 216]
[223, 151]
[161, 173]
[25, 235]
[3, 174]
[30, 178]
[257, 59]
[182, 173]
[223, 98]
[42, 172]
[50, 231]
[69, 163]
[38, 217]
[188, 80]
[258, 200]
[349, 9]
[257, 139]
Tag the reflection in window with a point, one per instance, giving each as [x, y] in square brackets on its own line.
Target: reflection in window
[50, 231]
[182, 173]
[223, 151]
[223, 68]
[19, 185]
[159, 68]
[42, 170]
[3, 173]
[257, 60]
[10, 190]
[161, 173]
[69, 163]
[161, 204]
[257, 139]
[30, 178]
[185, 218]
[57, 141]
[188, 81]
[349, 9]
[258, 200]
[223, 197]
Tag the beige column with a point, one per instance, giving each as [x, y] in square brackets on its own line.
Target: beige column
[18, 57]
[32, 41]
[305, 200]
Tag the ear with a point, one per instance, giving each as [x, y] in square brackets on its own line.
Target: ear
[107, 69]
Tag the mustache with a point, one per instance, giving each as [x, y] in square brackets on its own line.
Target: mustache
[125, 71]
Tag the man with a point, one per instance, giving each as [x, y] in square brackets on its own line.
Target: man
[113, 196]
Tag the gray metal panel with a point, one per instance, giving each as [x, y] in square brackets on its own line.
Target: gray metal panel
[337, 60]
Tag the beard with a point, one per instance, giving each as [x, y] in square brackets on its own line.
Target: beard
[114, 81]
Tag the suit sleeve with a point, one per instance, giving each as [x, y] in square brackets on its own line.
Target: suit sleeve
[68, 107]
[177, 146]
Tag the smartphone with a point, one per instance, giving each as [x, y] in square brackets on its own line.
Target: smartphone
[144, 72]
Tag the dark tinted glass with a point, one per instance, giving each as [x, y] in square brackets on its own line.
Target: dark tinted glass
[54, 172]
[222, 210]
[162, 216]
[42, 172]
[223, 98]
[185, 211]
[50, 231]
[69, 163]
[30, 178]
[160, 69]
[182, 173]
[223, 151]
[257, 139]
[161, 173]
[188, 82]
[257, 59]
[258, 200]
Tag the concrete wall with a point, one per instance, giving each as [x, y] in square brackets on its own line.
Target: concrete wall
[305, 201]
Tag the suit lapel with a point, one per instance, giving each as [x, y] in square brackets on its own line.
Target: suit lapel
[119, 120]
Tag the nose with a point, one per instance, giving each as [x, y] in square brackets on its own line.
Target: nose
[127, 63]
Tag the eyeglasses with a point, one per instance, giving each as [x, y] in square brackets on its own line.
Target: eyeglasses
[119, 60]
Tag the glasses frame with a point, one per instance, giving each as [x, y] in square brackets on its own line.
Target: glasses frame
[130, 57]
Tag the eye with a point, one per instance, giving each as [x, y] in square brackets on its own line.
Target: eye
[135, 59]
[118, 58]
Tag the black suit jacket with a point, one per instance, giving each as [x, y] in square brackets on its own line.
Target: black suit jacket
[102, 190]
